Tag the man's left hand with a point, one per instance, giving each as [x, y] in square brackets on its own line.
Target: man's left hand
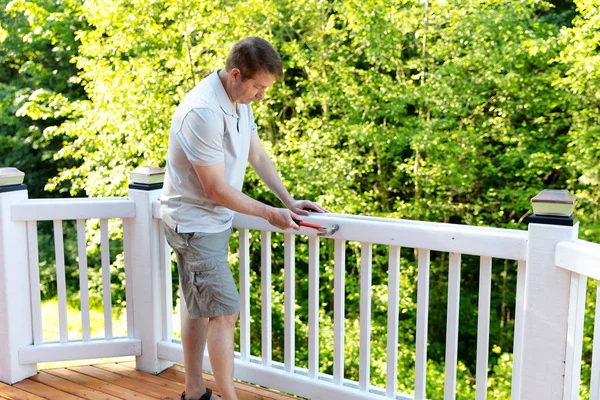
[302, 207]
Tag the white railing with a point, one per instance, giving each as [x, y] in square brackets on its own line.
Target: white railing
[422, 236]
[550, 301]
[31, 212]
[582, 260]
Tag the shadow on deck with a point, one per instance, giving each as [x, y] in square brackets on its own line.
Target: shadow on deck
[115, 381]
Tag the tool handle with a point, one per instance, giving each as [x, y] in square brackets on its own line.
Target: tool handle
[307, 224]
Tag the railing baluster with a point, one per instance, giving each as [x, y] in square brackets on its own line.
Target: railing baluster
[575, 336]
[61, 285]
[34, 281]
[339, 310]
[289, 301]
[166, 285]
[106, 290]
[452, 327]
[266, 298]
[483, 326]
[595, 376]
[392, 321]
[518, 334]
[83, 280]
[424, 256]
[313, 306]
[128, 276]
[244, 294]
[366, 261]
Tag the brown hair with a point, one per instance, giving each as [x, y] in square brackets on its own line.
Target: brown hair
[252, 55]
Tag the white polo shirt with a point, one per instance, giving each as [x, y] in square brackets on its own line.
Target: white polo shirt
[205, 130]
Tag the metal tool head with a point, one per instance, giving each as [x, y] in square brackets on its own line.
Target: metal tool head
[328, 230]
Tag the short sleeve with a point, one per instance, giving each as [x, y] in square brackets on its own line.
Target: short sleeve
[201, 137]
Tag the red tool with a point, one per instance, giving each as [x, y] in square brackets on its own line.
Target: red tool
[321, 229]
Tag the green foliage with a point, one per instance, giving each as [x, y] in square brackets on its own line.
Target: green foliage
[37, 83]
[444, 110]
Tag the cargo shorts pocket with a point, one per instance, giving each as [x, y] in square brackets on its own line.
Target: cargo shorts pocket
[205, 276]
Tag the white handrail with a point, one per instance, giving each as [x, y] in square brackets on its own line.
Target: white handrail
[579, 256]
[76, 208]
[491, 242]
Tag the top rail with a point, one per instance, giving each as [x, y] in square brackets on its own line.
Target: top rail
[77, 208]
[510, 244]
[579, 256]
[490, 242]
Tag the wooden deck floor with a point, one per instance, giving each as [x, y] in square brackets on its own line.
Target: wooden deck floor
[116, 381]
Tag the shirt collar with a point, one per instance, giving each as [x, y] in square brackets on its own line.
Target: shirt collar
[222, 97]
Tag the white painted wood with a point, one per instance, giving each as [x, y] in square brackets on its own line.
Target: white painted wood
[451, 359]
[313, 306]
[518, 335]
[173, 351]
[244, 250]
[480, 241]
[34, 280]
[483, 326]
[545, 317]
[266, 298]
[61, 284]
[78, 350]
[339, 310]
[75, 208]
[278, 378]
[128, 276]
[156, 209]
[392, 321]
[15, 309]
[424, 261]
[366, 271]
[575, 336]
[84, 293]
[595, 375]
[166, 286]
[579, 256]
[289, 262]
[146, 279]
[106, 289]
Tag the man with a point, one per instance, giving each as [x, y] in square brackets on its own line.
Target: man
[213, 136]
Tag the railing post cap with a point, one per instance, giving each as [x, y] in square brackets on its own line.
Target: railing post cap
[11, 176]
[553, 202]
[147, 175]
[553, 207]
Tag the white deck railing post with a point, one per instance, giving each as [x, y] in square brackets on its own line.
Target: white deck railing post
[144, 258]
[15, 305]
[539, 371]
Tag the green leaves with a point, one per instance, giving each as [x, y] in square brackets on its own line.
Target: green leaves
[451, 112]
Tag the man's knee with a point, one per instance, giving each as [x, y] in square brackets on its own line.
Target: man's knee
[226, 321]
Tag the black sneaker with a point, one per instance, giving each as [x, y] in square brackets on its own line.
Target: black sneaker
[206, 396]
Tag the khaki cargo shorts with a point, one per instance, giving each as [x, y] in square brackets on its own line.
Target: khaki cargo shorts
[204, 274]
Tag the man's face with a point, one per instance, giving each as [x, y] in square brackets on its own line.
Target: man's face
[252, 89]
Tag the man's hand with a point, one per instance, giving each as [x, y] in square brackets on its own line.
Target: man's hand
[283, 218]
[302, 207]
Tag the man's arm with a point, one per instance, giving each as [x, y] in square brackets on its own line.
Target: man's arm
[262, 164]
[218, 190]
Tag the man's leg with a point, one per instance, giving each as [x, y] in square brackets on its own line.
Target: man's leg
[220, 350]
[193, 339]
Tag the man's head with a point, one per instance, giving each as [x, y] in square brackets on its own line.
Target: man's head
[252, 55]
[252, 66]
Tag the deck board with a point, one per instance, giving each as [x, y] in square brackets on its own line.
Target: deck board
[117, 381]
[14, 393]
[71, 387]
[44, 391]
